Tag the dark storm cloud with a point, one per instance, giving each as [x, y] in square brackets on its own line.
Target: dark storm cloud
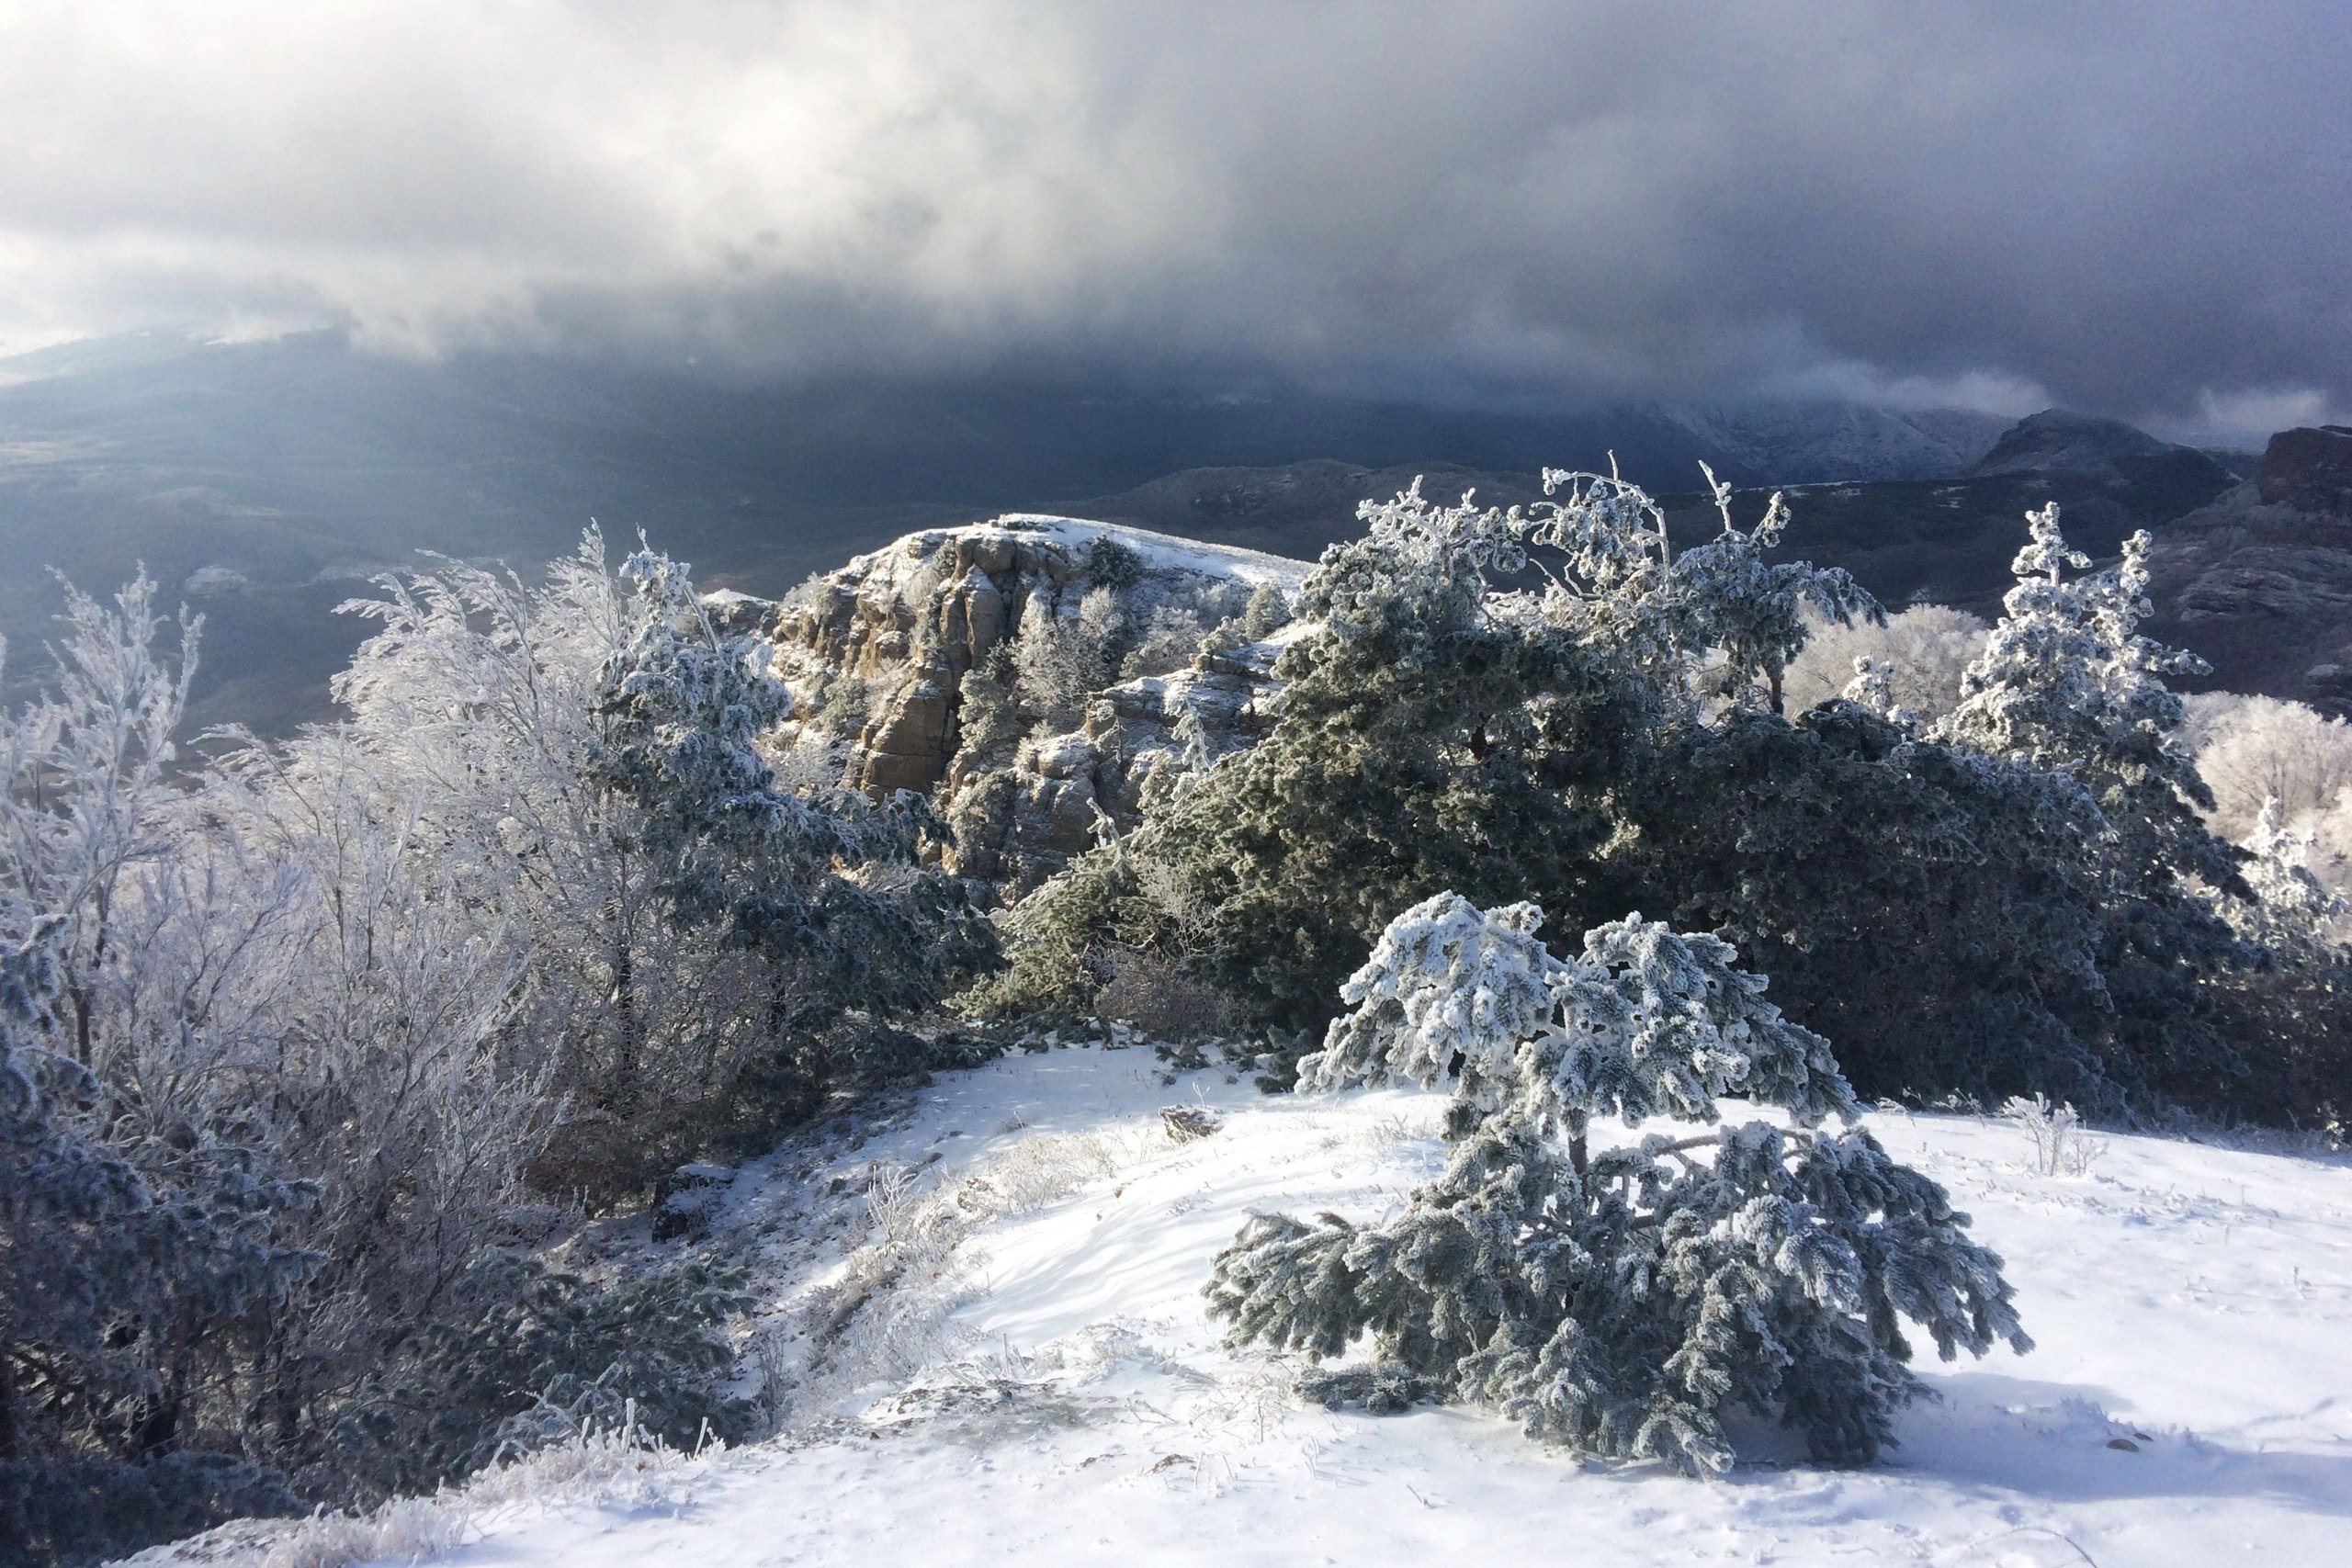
[2145, 207]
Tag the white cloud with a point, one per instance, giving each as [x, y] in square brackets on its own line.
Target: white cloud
[2246, 417]
[1609, 196]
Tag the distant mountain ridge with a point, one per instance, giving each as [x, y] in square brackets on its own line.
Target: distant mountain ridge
[1822, 442]
[264, 481]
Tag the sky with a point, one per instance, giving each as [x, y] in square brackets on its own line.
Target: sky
[2139, 209]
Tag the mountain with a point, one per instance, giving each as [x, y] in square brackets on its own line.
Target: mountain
[2260, 580]
[1951, 541]
[264, 483]
[1819, 443]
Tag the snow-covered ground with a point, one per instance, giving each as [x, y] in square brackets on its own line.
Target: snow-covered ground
[1043, 1386]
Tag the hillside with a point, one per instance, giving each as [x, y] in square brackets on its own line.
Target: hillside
[1035, 1378]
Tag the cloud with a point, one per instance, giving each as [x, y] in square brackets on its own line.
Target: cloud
[2134, 206]
[2246, 417]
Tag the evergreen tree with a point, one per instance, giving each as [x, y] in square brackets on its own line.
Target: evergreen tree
[1622, 1301]
[1430, 734]
[2291, 912]
[679, 709]
[1437, 731]
[2067, 683]
[1938, 912]
[1753, 610]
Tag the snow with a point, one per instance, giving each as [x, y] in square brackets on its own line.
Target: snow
[1164, 552]
[2189, 1403]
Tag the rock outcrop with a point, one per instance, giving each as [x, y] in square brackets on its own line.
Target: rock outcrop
[2260, 582]
[1043, 679]
[2310, 470]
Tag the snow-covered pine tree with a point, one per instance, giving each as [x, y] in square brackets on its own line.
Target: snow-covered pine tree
[2292, 911]
[679, 711]
[2066, 683]
[1872, 690]
[1755, 609]
[2301, 1004]
[1438, 729]
[1935, 911]
[1620, 1300]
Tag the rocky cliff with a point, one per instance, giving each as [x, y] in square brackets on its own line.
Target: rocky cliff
[2260, 582]
[1041, 678]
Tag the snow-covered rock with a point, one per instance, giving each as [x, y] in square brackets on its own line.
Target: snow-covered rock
[908, 624]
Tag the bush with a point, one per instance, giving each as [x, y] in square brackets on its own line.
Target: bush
[1620, 1300]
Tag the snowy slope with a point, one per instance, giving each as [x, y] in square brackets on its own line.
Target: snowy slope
[1051, 1391]
[1163, 552]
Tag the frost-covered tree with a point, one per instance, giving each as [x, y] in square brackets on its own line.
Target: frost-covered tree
[116, 1266]
[1437, 730]
[84, 768]
[708, 953]
[1622, 1300]
[2252, 750]
[1062, 660]
[1925, 648]
[1759, 613]
[1872, 690]
[1171, 637]
[1267, 612]
[1939, 913]
[679, 709]
[2292, 911]
[2066, 683]
[2298, 1006]
[323, 1020]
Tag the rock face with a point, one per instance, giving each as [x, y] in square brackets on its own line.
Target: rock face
[2309, 470]
[1031, 674]
[2260, 582]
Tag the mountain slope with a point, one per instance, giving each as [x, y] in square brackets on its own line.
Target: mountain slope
[1041, 1383]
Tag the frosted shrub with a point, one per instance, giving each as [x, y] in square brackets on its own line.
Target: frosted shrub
[1925, 649]
[2061, 1146]
[1038, 1170]
[2254, 749]
[1619, 1299]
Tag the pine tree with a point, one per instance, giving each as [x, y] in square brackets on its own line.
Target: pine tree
[1940, 913]
[2066, 683]
[1755, 609]
[1620, 1300]
[679, 709]
[2292, 911]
